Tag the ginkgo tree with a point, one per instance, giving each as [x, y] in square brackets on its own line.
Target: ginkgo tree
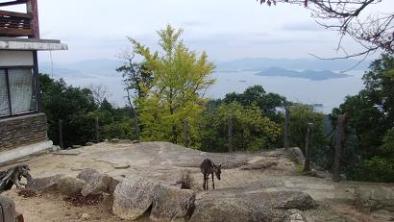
[176, 93]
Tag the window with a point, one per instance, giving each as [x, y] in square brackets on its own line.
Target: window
[17, 94]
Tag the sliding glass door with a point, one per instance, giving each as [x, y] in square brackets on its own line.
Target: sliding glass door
[17, 94]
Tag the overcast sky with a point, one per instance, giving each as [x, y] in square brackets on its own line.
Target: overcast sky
[226, 29]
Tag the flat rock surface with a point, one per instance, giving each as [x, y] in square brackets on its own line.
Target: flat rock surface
[243, 173]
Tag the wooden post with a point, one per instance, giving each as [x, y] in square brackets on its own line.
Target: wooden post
[61, 134]
[186, 132]
[230, 134]
[286, 130]
[339, 138]
[307, 165]
[97, 130]
[32, 8]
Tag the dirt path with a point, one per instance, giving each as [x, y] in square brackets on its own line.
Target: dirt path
[52, 208]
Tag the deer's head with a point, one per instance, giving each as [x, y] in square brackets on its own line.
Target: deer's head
[218, 170]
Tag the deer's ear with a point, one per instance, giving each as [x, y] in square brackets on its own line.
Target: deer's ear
[220, 165]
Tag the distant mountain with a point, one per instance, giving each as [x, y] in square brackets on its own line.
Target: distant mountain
[85, 67]
[253, 64]
[306, 74]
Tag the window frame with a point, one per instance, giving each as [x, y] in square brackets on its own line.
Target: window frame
[35, 91]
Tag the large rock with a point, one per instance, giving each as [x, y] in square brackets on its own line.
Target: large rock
[64, 184]
[374, 197]
[296, 155]
[44, 184]
[8, 212]
[133, 197]
[235, 205]
[95, 182]
[70, 185]
[172, 204]
[230, 209]
[292, 200]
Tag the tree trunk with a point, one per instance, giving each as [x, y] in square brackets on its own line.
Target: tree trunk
[339, 138]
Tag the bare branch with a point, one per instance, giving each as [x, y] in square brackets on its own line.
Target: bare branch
[373, 33]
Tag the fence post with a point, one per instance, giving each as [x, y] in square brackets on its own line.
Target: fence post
[307, 164]
[230, 134]
[286, 130]
[97, 130]
[339, 138]
[60, 124]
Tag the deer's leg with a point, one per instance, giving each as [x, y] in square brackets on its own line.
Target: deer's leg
[205, 185]
[213, 181]
[15, 180]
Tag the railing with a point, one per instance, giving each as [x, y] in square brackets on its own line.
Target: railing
[14, 24]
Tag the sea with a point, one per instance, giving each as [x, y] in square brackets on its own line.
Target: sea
[325, 94]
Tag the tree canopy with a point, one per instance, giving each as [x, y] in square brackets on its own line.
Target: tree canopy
[180, 79]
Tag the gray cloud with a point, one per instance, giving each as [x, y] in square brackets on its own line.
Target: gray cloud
[304, 26]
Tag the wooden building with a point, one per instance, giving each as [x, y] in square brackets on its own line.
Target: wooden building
[23, 127]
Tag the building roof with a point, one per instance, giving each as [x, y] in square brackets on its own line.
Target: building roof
[31, 44]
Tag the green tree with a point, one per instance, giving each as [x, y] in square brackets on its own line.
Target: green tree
[371, 117]
[256, 95]
[251, 131]
[180, 77]
[73, 106]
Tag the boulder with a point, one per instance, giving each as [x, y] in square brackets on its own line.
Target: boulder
[296, 155]
[294, 216]
[172, 203]
[133, 197]
[231, 209]
[95, 182]
[45, 184]
[292, 200]
[70, 185]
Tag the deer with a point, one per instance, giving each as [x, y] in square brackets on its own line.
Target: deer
[209, 168]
